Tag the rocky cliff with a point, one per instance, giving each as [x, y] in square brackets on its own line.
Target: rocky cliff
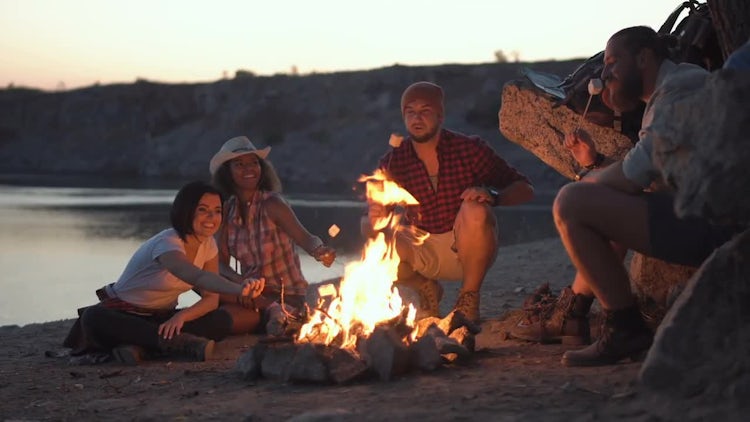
[325, 129]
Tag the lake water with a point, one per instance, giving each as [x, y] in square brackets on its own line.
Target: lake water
[59, 244]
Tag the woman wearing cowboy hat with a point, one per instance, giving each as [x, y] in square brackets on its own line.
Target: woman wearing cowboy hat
[259, 232]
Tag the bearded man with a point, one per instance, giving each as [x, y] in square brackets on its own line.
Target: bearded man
[619, 205]
[456, 179]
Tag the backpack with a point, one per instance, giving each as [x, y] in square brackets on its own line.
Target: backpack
[696, 42]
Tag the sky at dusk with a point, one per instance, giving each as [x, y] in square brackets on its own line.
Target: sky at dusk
[52, 44]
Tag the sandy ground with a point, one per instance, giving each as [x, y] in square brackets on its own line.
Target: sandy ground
[507, 380]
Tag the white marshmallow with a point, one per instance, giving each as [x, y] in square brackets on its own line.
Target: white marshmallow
[596, 86]
[395, 140]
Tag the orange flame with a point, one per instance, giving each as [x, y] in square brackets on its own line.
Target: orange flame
[366, 296]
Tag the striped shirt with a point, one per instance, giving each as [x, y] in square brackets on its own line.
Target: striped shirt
[262, 248]
[463, 162]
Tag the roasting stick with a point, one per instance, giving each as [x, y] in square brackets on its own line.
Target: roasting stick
[595, 87]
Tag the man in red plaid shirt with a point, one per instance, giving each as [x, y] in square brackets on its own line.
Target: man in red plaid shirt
[456, 179]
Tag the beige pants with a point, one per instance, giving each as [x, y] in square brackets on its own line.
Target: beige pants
[435, 258]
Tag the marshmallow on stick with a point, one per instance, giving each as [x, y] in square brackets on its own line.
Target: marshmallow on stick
[333, 231]
[595, 87]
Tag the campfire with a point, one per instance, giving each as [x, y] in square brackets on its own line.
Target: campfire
[365, 325]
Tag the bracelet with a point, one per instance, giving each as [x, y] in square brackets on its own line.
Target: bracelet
[317, 243]
[581, 174]
[598, 160]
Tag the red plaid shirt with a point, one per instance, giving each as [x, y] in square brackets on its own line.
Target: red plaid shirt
[262, 248]
[464, 162]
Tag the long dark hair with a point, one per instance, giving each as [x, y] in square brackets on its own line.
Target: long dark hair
[185, 203]
[269, 180]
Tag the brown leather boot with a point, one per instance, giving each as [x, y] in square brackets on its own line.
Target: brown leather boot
[187, 345]
[624, 334]
[468, 304]
[430, 293]
[568, 323]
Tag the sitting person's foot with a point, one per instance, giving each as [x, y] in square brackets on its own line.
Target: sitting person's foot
[430, 293]
[563, 321]
[624, 334]
[468, 304]
[129, 354]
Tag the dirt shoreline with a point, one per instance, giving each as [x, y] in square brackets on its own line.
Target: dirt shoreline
[508, 380]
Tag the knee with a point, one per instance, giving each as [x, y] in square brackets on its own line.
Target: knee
[568, 202]
[474, 214]
[222, 324]
[95, 319]
[92, 315]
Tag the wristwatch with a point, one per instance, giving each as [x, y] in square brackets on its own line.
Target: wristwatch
[493, 193]
[598, 160]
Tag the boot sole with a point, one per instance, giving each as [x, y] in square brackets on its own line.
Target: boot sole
[634, 357]
[565, 340]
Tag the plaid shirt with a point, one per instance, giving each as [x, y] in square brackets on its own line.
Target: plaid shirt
[262, 248]
[464, 162]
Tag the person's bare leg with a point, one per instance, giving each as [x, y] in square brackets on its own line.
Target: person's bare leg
[476, 242]
[589, 216]
[244, 320]
[579, 285]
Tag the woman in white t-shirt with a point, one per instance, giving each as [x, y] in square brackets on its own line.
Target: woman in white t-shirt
[137, 314]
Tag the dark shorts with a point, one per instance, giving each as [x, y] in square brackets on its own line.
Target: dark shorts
[686, 241]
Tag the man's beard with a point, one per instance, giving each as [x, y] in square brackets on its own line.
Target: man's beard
[426, 137]
[627, 97]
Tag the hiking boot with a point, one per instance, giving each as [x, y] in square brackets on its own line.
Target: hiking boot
[468, 304]
[430, 293]
[624, 334]
[566, 323]
[128, 354]
[187, 345]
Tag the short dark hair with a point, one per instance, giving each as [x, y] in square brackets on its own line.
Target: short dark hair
[636, 38]
[185, 203]
[269, 180]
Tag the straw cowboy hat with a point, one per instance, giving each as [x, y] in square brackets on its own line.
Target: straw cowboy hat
[233, 148]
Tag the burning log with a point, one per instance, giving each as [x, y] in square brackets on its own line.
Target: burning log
[456, 320]
[464, 337]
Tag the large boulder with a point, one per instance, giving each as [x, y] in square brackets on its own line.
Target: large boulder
[702, 345]
[656, 285]
[704, 153]
[532, 119]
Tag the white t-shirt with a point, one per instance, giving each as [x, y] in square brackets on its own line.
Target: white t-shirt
[673, 82]
[147, 284]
